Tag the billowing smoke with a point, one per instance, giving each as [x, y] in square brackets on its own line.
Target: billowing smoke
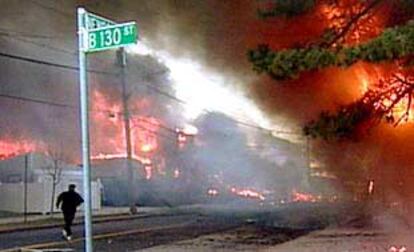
[220, 32]
[215, 33]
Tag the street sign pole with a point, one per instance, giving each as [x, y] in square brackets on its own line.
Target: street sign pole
[84, 121]
[95, 34]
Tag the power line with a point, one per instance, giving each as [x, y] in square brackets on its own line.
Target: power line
[53, 64]
[8, 32]
[47, 7]
[39, 101]
[57, 49]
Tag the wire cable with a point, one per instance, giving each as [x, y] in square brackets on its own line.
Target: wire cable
[56, 49]
[47, 7]
[53, 64]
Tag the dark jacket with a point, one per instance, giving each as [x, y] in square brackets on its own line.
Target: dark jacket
[70, 201]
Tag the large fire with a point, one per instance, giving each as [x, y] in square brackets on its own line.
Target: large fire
[12, 148]
[109, 134]
[108, 138]
[354, 22]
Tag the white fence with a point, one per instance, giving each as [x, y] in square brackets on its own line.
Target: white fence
[39, 196]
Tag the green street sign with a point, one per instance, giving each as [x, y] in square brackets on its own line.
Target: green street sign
[112, 36]
[95, 21]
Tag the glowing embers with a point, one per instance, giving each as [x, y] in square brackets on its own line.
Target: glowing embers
[397, 249]
[305, 197]
[247, 193]
[185, 134]
[352, 21]
[367, 76]
[103, 156]
[147, 148]
[212, 192]
[148, 171]
[176, 173]
[371, 187]
[12, 148]
[392, 98]
[312, 198]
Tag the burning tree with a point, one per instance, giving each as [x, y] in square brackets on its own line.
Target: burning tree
[377, 32]
[367, 47]
[54, 169]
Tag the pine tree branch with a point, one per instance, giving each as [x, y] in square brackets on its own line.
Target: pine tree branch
[392, 44]
[370, 110]
[287, 8]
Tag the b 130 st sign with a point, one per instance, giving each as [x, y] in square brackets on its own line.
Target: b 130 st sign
[112, 36]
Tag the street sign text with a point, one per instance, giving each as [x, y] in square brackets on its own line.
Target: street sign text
[112, 36]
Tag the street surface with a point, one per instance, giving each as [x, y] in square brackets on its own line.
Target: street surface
[237, 226]
[114, 235]
[51, 237]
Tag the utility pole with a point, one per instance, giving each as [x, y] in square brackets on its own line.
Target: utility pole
[121, 57]
[309, 162]
[26, 167]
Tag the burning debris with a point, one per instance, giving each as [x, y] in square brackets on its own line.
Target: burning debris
[304, 197]
[370, 187]
[397, 249]
[248, 193]
[212, 192]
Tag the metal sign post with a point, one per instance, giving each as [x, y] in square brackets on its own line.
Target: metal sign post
[84, 120]
[95, 33]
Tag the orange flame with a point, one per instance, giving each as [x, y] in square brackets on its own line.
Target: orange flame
[12, 148]
[109, 132]
[397, 249]
[337, 16]
[212, 192]
[371, 187]
[248, 193]
[304, 197]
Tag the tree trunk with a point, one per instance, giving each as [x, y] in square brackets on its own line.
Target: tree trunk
[54, 178]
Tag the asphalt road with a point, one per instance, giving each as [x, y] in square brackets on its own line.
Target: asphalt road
[54, 235]
[118, 235]
[151, 231]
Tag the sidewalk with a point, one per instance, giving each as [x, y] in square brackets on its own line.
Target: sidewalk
[349, 240]
[384, 233]
[328, 240]
[17, 223]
